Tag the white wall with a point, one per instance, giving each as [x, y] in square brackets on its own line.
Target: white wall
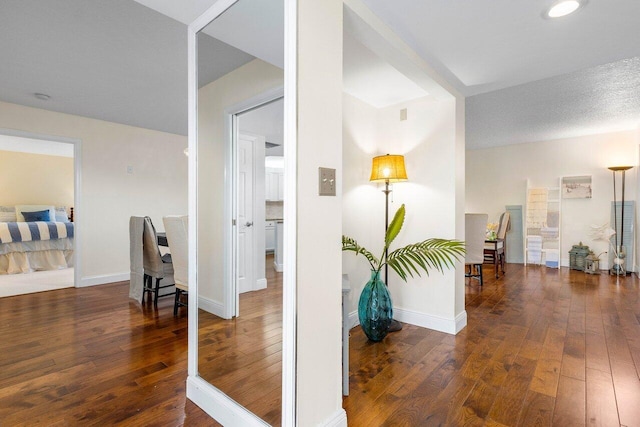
[497, 177]
[428, 141]
[246, 82]
[319, 218]
[35, 179]
[109, 195]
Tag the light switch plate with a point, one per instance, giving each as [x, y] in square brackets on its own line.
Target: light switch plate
[327, 183]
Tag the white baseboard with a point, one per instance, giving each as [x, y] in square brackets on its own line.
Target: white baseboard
[102, 279]
[461, 321]
[338, 419]
[260, 284]
[353, 319]
[211, 306]
[219, 406]
[437, 323]
[279, 267]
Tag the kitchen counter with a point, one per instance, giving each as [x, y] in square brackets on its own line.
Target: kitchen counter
[278, 262]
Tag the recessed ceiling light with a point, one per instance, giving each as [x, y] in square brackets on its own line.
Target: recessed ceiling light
[42, 96]
[563, 8]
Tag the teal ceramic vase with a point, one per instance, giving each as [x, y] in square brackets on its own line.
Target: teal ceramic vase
[375, 309]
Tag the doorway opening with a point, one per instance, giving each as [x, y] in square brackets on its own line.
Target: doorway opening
[44, 255]
[257, 139]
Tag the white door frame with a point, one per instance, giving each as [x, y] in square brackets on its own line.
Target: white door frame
[77, 182]
[209, 398]
[230, 294]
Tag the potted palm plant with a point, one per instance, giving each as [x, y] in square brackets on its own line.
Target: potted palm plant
[375, 309]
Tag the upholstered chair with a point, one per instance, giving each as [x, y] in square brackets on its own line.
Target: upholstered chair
[475, 233]
[177, 236]
[156, 266]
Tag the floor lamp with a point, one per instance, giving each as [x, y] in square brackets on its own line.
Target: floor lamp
[618, 267]
[388, 169]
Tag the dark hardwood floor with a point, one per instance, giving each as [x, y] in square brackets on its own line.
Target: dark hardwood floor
[243, 356]
[541, 347]
[89, 356]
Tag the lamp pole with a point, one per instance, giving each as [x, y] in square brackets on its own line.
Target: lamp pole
[395, 326]
[619, 268]
[386, 192]
[385, 169]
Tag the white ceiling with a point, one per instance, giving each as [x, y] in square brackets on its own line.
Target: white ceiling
[484, 45]
[372, 80]
[124, 62]
[596, 100]
[182, 11]
[255, 27]
[112, 60]
[35, 146]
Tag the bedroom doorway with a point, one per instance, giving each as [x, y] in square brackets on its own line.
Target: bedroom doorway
[35, 257]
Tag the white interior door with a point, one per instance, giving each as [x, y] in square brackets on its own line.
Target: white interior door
[245, 183]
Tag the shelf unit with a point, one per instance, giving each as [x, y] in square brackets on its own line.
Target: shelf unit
[542, 226]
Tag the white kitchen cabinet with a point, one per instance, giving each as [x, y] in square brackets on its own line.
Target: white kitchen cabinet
[270, 236]
[280, 185]
[274, 184]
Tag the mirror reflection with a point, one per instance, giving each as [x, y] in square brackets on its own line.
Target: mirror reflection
[240, 132]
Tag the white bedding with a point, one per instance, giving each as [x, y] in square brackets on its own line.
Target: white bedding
[42, 248]
[26, 257]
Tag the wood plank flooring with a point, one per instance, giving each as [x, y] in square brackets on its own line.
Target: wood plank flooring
[243, 356]
[88, 356]
[541, 347]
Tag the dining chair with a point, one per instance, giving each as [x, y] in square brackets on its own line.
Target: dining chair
[177, 236]
[475, 234]
[496, 251]
[136, 277]
[503, 227]
[156, 266]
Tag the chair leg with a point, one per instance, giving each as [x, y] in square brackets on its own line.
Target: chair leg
[479, 267]
[157, 292]
[146, 287]
[175, 304]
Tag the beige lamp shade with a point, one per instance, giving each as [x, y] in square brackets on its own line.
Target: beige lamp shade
[389, 167]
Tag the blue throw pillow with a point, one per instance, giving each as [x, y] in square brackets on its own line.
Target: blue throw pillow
[37, 216]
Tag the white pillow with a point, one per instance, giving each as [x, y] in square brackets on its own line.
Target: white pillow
[61, 214]
[7, 214]
[34, 208]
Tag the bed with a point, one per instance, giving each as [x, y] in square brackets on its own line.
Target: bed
[35, 238]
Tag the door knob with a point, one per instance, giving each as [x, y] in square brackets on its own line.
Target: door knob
[248, 224]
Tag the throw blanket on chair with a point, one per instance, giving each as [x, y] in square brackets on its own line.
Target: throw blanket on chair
[136, 281]
[13, 232]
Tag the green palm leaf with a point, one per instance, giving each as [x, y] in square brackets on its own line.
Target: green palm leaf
[395, 226]
[349, 244]
[430, 254]
[412, 259]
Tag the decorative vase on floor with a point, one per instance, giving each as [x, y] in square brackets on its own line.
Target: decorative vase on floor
[375, 309]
